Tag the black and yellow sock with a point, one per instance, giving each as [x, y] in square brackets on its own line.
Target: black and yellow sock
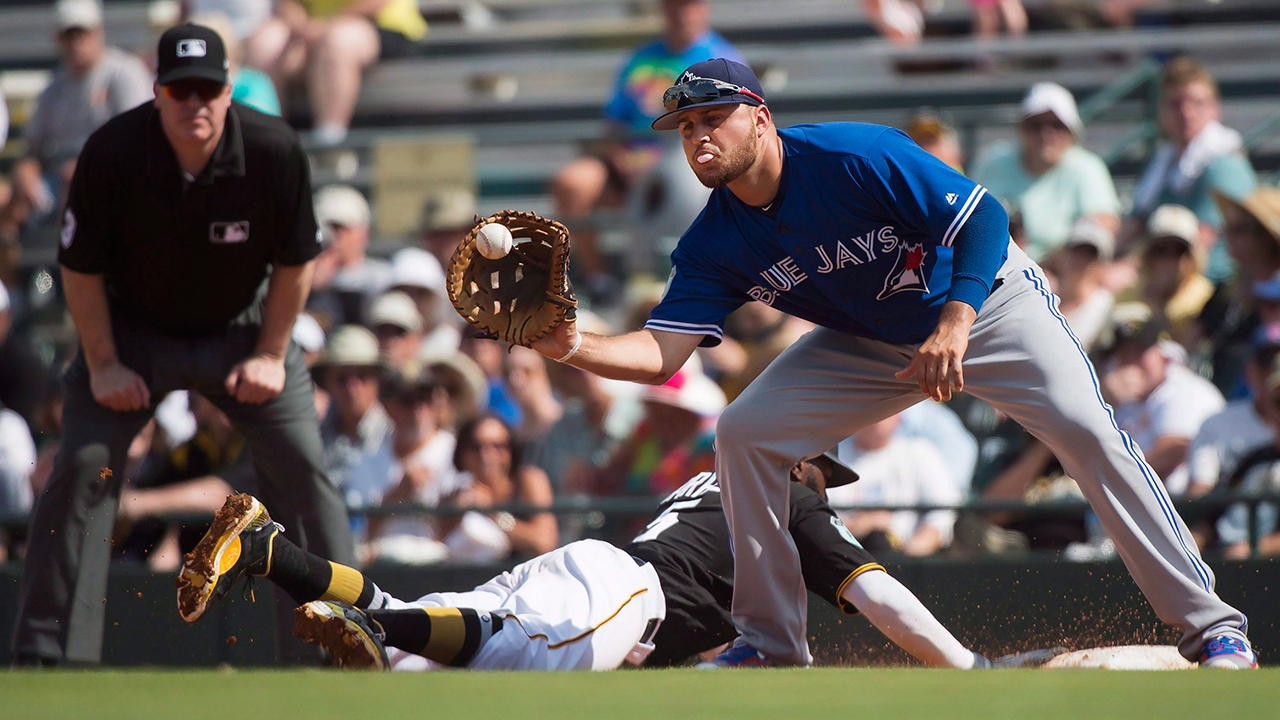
[450, 636]
[306, 577]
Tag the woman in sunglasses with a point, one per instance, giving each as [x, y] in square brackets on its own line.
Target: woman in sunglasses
[492, 463]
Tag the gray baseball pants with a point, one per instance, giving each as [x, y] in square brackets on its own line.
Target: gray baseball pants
[1023, 359]
[64, 577]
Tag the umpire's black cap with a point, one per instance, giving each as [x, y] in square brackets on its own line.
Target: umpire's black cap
[838, 473]
[710, 82]
[191, 51]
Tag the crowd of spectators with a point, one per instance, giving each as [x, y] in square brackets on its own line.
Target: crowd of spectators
[1174, 292]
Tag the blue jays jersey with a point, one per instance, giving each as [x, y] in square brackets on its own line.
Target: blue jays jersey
[858, 239]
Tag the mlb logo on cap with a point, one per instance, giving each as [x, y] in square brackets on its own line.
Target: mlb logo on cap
[192, 48]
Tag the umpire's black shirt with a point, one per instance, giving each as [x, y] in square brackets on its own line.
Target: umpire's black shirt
[188, 255]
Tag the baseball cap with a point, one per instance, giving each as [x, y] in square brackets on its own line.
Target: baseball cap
[395, 308]
[342, 205]
[1051, 97]
[1174, 221]
[711, 82]
[1133, 324]
[83, 14]
[1095, 235]
[690, 391]
[841, 474]
[191, 51]
[415, 267]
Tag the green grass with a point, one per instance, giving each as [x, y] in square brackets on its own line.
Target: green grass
[891, 694]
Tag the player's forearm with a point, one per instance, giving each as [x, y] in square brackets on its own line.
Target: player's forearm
[87, 303]
[979, 251]
[634, 357]
[286, 294]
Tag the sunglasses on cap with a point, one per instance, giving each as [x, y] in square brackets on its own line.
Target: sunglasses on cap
[702, 90]
[182, 90]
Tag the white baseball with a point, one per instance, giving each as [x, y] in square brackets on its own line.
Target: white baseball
[494, 241]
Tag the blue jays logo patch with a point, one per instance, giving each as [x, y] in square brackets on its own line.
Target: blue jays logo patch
[907, 272]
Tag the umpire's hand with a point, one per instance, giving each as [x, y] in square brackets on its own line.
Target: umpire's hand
[256, 379]
[119, 388]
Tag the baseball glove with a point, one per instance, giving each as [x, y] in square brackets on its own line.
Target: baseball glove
[523, 295]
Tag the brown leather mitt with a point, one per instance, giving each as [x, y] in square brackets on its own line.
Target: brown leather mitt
[523, 295]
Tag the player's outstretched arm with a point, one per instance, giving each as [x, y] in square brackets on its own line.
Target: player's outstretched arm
[645, 356]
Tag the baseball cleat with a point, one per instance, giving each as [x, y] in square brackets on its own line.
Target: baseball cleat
[739, 656]
[238, 542]
[354, 639]
[1228, 651]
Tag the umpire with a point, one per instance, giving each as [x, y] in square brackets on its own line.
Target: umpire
[187, 251]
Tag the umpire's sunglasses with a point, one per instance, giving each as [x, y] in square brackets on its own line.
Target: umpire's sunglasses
[702, 90]
[182, 90]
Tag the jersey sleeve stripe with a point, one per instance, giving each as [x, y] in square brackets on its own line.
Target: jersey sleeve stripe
[684, 328]
[845, 606]
[963, 216]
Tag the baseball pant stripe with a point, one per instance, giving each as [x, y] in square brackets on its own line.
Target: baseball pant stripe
[1156, 486]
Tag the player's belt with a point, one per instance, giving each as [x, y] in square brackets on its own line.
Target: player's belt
[650, 629]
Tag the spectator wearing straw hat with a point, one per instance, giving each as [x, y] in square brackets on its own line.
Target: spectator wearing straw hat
[1251, 227]
[1052, 179]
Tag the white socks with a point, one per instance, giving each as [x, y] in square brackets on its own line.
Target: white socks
[897, 613]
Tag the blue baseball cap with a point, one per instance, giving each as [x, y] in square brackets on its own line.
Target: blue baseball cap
[711, 82]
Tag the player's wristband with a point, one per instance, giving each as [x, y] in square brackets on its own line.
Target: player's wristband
[573, 350]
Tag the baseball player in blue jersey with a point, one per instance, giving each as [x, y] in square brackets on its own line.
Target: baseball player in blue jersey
[907, 268]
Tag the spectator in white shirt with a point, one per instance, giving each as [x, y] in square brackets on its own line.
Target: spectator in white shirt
[896, 471]
[1225, 438]
[1157, 400]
